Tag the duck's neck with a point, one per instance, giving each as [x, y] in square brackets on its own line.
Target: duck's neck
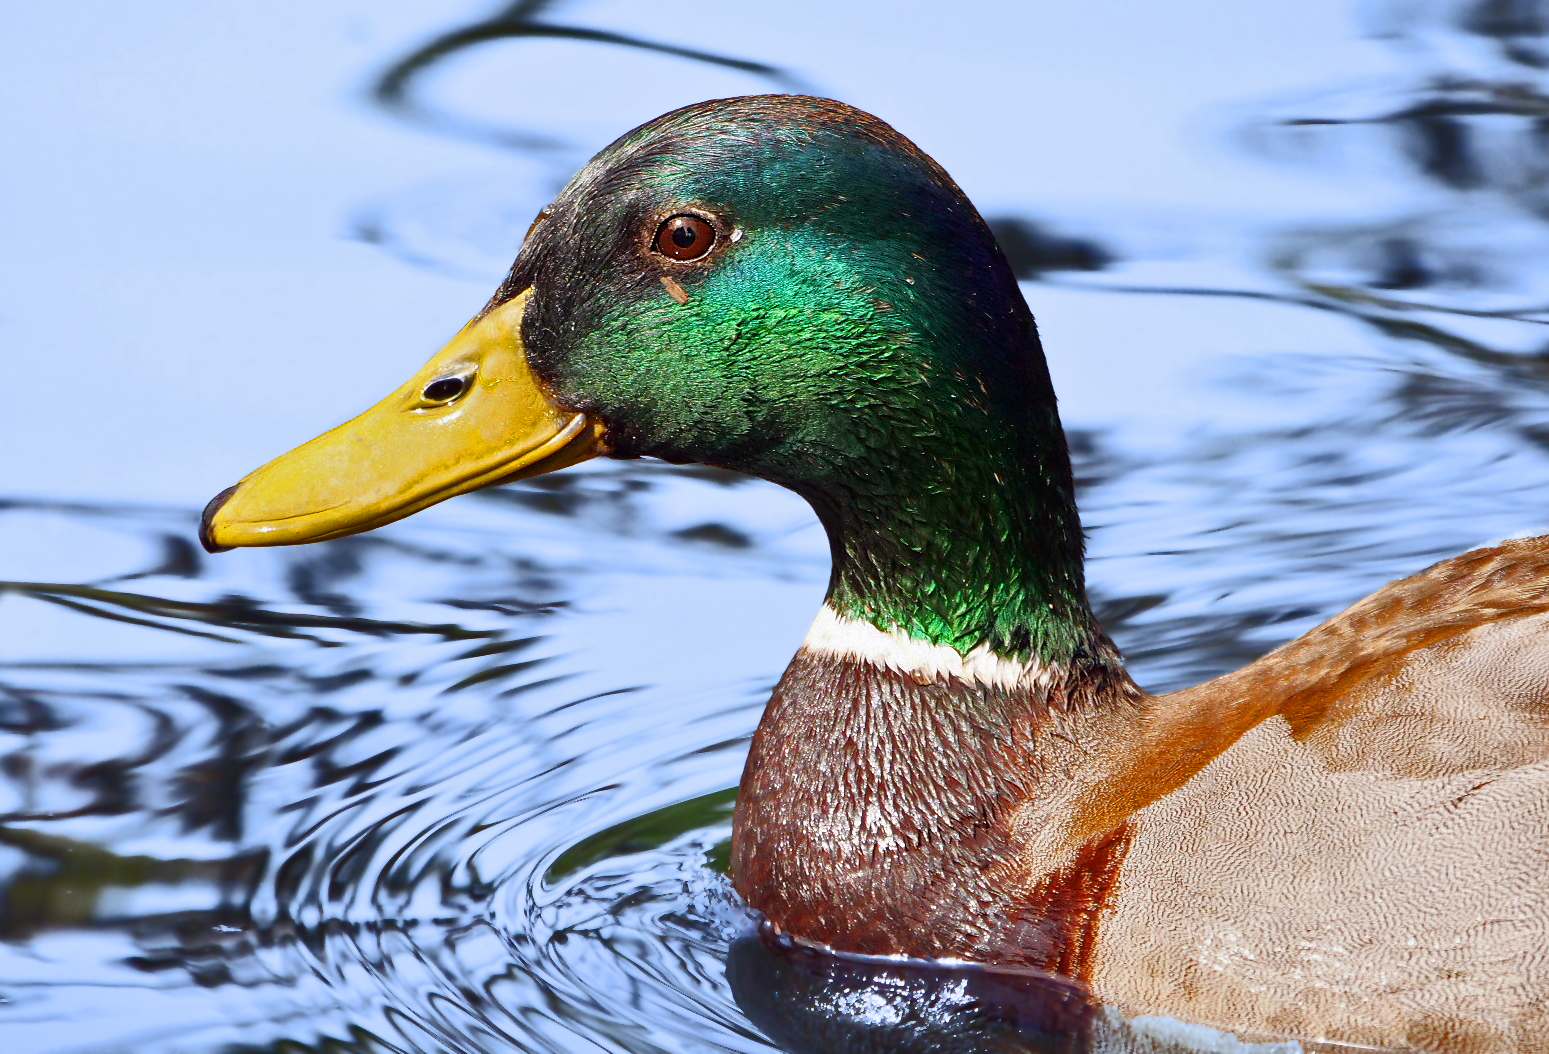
[907, 789]
[965, 539]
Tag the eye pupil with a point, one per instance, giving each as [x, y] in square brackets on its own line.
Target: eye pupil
[444, 389]
[685, 237]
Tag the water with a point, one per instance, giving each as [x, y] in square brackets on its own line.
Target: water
[464, 783]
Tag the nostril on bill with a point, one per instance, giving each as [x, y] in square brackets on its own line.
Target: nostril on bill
[444, 390]
[207, 539]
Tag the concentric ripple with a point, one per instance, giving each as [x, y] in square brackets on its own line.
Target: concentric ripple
[374, 793]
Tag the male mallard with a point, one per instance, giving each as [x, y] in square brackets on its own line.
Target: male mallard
[1348, 839]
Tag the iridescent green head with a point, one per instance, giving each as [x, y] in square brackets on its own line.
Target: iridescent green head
[839, 279]
[785, 286]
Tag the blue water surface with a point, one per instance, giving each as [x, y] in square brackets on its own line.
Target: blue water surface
[464, 783]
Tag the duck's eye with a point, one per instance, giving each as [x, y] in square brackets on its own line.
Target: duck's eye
[684, 238]
[444, 390]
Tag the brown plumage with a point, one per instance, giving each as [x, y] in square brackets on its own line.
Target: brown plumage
[1347, 840]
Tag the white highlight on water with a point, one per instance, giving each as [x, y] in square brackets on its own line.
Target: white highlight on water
[834, 635]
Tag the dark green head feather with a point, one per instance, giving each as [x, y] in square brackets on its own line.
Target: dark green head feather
[854, 334]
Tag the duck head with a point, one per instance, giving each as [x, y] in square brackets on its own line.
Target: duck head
[779, 285]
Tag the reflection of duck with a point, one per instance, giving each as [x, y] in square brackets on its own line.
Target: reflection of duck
[1348, 838]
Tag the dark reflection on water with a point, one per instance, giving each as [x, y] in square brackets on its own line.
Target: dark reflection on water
[464, 784]
[808, 1002]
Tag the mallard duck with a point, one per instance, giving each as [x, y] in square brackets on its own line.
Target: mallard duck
[1347, 840]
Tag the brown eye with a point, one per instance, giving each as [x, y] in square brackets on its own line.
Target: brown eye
[685, 238]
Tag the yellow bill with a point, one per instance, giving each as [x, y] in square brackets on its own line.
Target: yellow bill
[473, 416]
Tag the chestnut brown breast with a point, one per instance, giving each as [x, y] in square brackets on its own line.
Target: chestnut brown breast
[883, 815]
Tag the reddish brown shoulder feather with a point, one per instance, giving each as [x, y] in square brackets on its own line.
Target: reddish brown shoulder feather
[1364, 669]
